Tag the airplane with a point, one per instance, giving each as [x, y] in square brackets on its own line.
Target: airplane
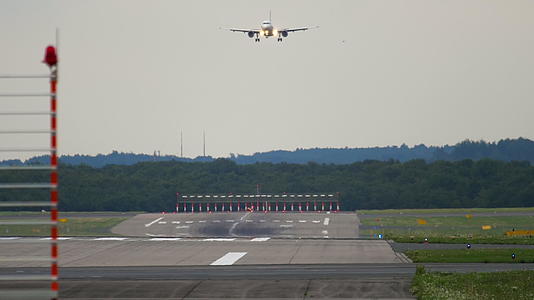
[267, 29]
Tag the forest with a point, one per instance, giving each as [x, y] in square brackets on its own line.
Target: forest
[152, 186]
[519, 149]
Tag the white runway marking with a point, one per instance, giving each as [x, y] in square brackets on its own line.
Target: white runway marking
[286, 226]
[325, 232]
[216, 221]
[164, 239]
[276, 221]
[182, 227]
[228, 259]
[326, 236]
[59, 238]
[289, 221]
[188, 222]
[110, 239]
[218, 240]
[326, 221]
[302, 221]
[156, 220]
[249, 221]
[175, 222]
[9, 238]
[262, 239]
[203, 221]
[262, 221]
[316, 221]
[229, 221]
[164, 222]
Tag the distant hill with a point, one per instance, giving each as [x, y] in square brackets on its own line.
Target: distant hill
[520, 149]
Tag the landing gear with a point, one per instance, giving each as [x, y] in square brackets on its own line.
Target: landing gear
[279, 39]
[257, 38]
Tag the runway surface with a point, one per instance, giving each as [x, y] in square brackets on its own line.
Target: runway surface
[120, 251]
[253, 281]
[244, 224]
[225, 255]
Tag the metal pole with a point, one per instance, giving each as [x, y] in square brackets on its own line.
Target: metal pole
[54, 286]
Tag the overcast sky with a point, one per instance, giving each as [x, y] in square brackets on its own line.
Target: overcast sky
[134, 74]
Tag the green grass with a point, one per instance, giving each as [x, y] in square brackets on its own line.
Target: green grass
[445, 210]
[496, 285]
[453, 229]
[471, 256]
[86, 226]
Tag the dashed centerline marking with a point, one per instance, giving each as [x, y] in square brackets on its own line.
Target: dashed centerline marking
[188, 222]
[326, 221]
[163, 222]
[289, 221]
[228, 259]
[316, 221]
[218, 240]
[302, 221]
[175, 222]
[164, 239]
[182, 227]
[276, 221]
[156, 220]
[260, 239]
[110, 239]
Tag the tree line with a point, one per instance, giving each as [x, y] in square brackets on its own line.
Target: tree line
[519, 149]
[152, 186]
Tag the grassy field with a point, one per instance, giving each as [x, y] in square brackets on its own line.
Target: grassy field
[85, 226]
[497, 285]
[449, 229]
[446, 210]
[471, 256]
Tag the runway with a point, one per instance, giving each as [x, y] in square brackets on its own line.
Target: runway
[121, 251]
[243, 224]
[249, 281]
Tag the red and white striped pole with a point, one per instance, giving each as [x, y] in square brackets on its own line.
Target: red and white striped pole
[51, 54]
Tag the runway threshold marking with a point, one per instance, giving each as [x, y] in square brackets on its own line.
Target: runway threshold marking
[156, 220]
[326, 221]
[228, 259]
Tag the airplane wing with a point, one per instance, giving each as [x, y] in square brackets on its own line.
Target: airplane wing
[298, 29]
[243, 30]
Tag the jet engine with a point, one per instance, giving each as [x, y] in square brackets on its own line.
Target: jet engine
[250, 34]
[284, 33]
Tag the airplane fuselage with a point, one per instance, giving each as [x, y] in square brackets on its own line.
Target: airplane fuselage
[267, 29]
